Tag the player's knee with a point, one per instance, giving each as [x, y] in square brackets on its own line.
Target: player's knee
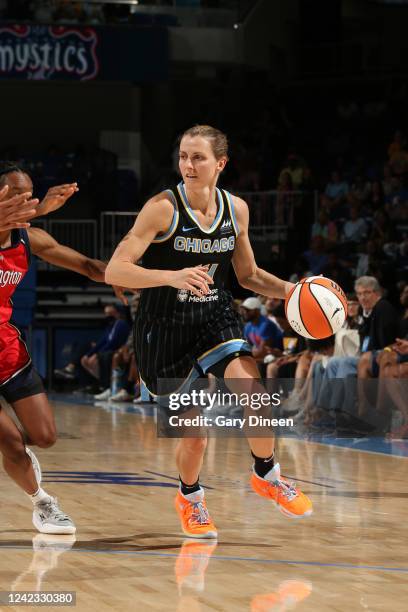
[195, 446]
[45, 438]
[13, 450]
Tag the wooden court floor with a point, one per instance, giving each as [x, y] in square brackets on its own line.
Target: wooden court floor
[117, 480]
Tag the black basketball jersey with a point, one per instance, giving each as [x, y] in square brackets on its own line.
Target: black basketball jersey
[187, 244]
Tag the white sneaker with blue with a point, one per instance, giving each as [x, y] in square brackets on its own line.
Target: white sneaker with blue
[49, 518]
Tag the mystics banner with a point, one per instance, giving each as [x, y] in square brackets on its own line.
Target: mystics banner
[45, 52]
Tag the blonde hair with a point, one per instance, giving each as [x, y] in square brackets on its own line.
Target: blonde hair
[218, 140]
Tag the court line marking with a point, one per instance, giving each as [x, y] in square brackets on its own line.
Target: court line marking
[357, 450]
[227, 558]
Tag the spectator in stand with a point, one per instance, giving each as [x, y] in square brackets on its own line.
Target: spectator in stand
[316, 257]
[325, 228]
[337, 270]
[393, 386]
[376, 199]
[125, 376]
[272, 305]
[264, 336]
[284, 200]
[355, 229]
[377, 328]
[359, 191]
[335, 195]
[382, 230]
[369, 259]
[295, 168]
[373, 364]
[397, 203]
[97, 361]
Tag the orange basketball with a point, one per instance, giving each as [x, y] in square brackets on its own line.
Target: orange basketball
[316, 307]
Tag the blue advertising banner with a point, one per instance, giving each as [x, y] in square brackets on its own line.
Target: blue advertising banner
[47, 52]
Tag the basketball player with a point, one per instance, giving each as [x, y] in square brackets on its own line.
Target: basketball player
[187, 236]
[20, 385]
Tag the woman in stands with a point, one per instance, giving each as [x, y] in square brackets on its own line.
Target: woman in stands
[20, 385]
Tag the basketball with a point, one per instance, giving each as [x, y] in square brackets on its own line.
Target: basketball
[316, 307]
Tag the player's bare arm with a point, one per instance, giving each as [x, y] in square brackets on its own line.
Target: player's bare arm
[55, 198]
[247, 272]
[15, 212]
[155, 218]
[47, 248]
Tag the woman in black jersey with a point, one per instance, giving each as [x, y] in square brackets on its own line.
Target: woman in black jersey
[187, 237]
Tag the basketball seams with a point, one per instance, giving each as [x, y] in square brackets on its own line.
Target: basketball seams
[328, 284]
[303, 288]
[310, 286]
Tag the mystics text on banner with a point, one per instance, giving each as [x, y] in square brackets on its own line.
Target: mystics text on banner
[48, 52]
[80, 53]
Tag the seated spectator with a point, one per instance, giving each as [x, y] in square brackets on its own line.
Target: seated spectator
[97, 360]
[264, 336]
[273, 305]
[325, 228]
[335, 195]
[382, 229]
[377, 329]
[359, 191]
[369, 259]
[316, 257]
[294, 167]
[355, 229]
[393, 386]
[337, 270]
[373, 362]
[284, 200]
[376, 199]
[124, 385]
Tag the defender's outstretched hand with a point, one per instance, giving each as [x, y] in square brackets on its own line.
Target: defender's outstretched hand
[56, 197]
[15, 212]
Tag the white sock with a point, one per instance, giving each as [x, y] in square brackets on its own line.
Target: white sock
[39, 496]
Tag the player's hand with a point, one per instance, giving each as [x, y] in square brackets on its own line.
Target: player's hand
[56, 197]
[195, 280]
[120, 293]
[15, 212]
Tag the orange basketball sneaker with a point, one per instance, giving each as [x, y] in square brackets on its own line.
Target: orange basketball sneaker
[290, 501]
[194, 516]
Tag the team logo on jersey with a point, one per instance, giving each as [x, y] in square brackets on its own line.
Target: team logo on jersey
[10, 277]
[184, 295]
[204, 245]
[225, 226]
